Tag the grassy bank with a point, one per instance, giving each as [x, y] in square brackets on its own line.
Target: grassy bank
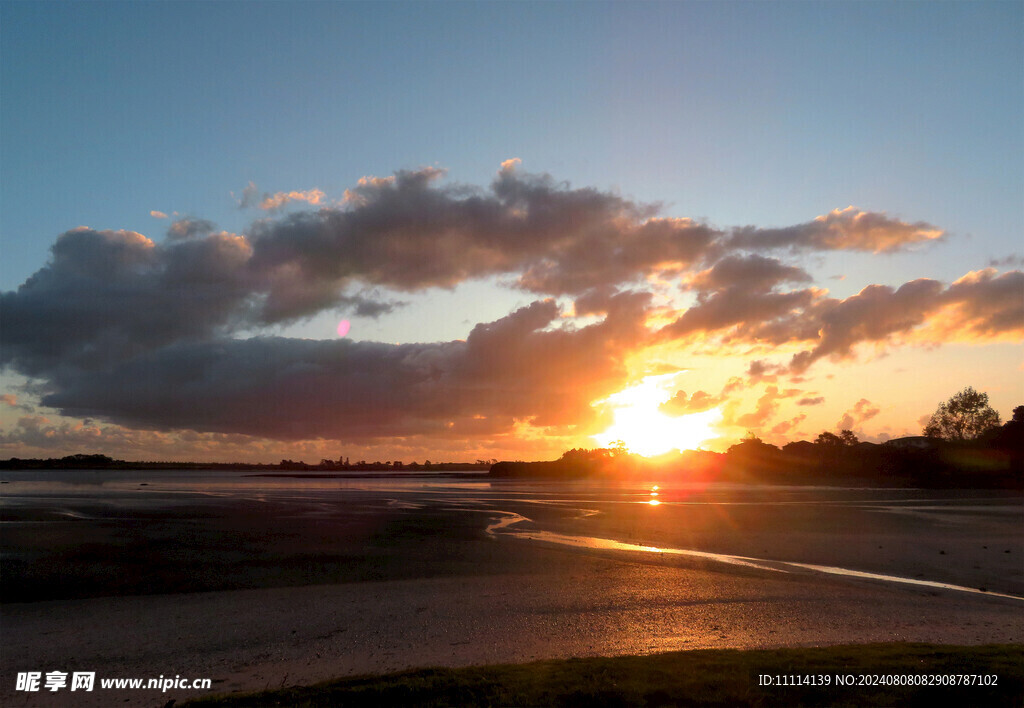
[719, 677]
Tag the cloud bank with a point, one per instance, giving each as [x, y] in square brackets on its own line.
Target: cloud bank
[133, 331]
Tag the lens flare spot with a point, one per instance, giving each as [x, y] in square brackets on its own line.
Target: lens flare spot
[343, 327]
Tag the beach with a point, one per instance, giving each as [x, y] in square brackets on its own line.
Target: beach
[257, 582]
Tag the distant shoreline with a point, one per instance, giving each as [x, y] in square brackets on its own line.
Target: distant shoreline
[102, 462]
[372, 475]
[994, 462]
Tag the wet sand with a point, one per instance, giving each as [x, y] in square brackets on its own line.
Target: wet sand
[970, 538]
[282, 589]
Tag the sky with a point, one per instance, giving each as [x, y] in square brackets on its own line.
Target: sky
[546, 225]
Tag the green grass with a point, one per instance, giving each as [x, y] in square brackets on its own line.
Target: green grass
[718, 677]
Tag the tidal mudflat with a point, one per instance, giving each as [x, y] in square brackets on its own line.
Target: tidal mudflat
[260, 582]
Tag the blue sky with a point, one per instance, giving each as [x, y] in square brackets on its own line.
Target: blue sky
[763, 114]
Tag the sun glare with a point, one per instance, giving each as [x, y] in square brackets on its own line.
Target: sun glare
[638, 422]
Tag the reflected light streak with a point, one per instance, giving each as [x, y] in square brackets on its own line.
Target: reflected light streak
[510, 519]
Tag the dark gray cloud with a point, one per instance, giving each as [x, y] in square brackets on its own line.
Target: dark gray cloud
[513, 368]
[740, 301]
[760, 370]
[981, 306]
[740, 293]
[811, 401]
[116, 293]
[189, 228]
[741, 314]
[750, 272]
[370, 307]
[1007, 261]
[840, 229]
[873, 314]
[110, 295]
[409, 233]
[985, 303]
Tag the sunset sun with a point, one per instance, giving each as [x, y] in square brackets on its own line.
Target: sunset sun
[639, 422]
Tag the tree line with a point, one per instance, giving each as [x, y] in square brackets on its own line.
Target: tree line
[963, 444]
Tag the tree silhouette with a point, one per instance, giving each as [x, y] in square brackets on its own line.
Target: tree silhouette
[752, 446]
[848, 437]
[965, 416]
[828, 440]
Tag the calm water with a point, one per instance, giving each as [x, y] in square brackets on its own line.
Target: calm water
[145, 488]
[925, 537]
[22, 486]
